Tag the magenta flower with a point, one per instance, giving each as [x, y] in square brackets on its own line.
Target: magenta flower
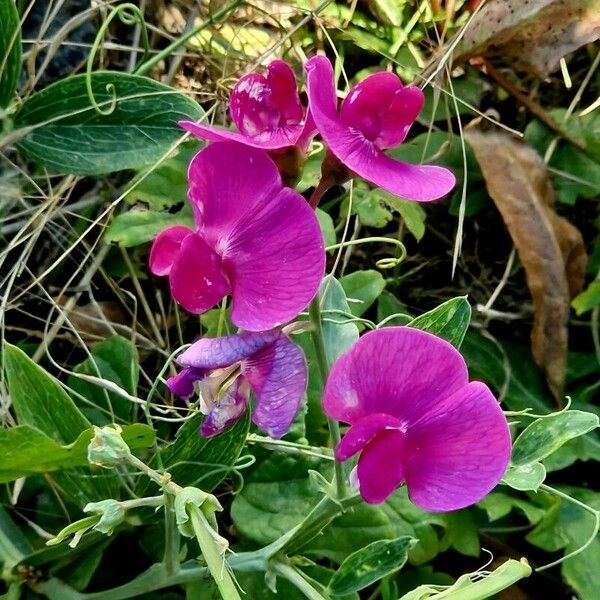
[375, 115]
[266, 110]
[415, 418]
[228, 368]
[254, 239]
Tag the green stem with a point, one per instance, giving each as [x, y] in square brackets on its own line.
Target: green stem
[146, 66]
[214, 560]
[334, 428]
[171, 556]
[295, 577]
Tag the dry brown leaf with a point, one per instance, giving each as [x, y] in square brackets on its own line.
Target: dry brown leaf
[551, 250]
[536, 33]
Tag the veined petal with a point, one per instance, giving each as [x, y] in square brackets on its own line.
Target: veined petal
[459, 450]
[182, 384]
[420, 183]
[367, 102]
[166, 247]
[216, 353]
[362, 432]
[400, 371]
[275, 259]
[197, 279]
[380, 470]
[272, 139]
[227, 182]
[226, 411]
[278, 377]
[251, 106]
[284, 91]
[402, 113]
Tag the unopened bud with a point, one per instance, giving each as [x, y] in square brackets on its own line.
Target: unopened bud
[107, 448]
[111, 514]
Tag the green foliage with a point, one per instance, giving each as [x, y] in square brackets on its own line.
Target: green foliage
[10, 51]
[67, 135]
[362, 288]
[449, 320]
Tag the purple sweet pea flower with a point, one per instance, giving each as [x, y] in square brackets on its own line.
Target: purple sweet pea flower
[228, 368]
[266, 110]
[415, 418]
[254, 239]
[375, 115]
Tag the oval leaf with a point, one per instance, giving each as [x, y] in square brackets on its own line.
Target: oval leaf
[525, 478]
[449, 320]
[10, 51]
[68, 135]
[545, 436]
[369, 564]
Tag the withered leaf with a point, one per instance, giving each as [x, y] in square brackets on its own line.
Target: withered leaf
[536, 33]
[551, 250]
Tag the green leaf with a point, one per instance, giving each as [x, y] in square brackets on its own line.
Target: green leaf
[388, 12]
[14, 546]
[475, 586]
[544, 436]
[327, 227]
[137, 227]
[527, 477]
[39, 400]
[338, 333]
[68, 135]
[389, 306]
[498, 505]
[204, 462]
[27, 451]
[10, 51]
[412, 213]
[369, 564]
[588, 299]
[167, 185]
[362, 288]
[449, 320]
[115, 360]
[369, 206]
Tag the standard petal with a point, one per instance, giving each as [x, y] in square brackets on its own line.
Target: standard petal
[251, 107]
[284, 92]
[274, 139]
[225, 412]
[275, 259]
[197, 278]
[404, 109]
[165, 249]
[228, 181]
[457, 453]
[278, 377]
[362, 432]
[380, 470]
[400, 371]
[413, 182]
[182, 384]
[368, 101]
[215, 353]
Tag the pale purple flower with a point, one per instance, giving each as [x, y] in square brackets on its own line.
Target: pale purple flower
[228, 368]
[266, 110]
[375, 115]
[415, 419]
[254, 239]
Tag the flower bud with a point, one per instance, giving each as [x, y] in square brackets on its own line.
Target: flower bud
[107, 448]
[111, 514]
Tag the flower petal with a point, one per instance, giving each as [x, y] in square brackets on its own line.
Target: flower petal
[414, 182]
[166, 247]
[182, 384]
[275, 259]
[278, 376]
[225, 412]
[400, 371]
[362, 432]
[222, 196]
[197, 279]
[458, 452]
[216, 353]
[367, 102]
[268, 140]
[380, 469]
[402, 113]
[284, 91]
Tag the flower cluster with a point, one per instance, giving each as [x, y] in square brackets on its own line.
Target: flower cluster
[414, 417]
